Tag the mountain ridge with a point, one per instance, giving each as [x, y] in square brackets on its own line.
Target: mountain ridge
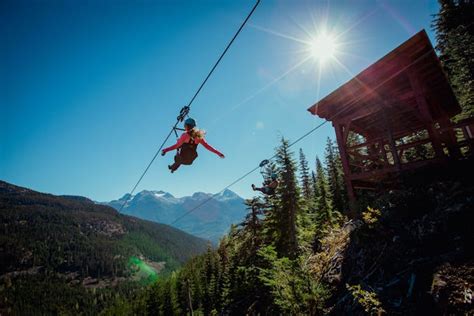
[209, 220]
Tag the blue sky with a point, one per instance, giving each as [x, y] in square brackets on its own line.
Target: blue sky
[89, 89]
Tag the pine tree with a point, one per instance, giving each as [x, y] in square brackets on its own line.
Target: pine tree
[305, 179]
[335, 177]
[166, 299]
[252, 226]
[324, 207]
[224, 262]
[271, 225]
[455, 44]
[289, 202]
[315, 187]
[208, 278]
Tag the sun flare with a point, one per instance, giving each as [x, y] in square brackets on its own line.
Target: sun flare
[323, 47]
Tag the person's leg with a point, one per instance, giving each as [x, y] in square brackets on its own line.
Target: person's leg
[268, 191]
[177, 163]
[257, 189]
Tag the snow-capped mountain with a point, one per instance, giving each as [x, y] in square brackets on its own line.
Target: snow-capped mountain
[210, 221]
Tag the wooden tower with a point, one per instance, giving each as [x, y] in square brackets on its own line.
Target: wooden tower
[395, 116]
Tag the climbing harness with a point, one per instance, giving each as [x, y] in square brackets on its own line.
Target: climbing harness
[187, 152]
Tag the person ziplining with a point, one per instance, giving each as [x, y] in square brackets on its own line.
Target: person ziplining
[269, 185]
[187, 144]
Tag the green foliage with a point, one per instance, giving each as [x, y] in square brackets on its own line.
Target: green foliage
[335, 177]
[305, 219]
[323, 202]
[261, 267]
[326, 217]
[292, 286]
[288, 204]
[305, 179]
[368, 300]
[371, 216]
[455, 44]
[46, 294]
[51, 246]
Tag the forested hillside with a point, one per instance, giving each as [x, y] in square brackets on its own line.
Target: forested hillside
[407, 254]
[69, 252]
[262, 266]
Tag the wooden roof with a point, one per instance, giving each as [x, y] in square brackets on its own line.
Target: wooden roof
[393, 86]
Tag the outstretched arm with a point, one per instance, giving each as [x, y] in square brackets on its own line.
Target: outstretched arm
[210, 148]
[178, 144]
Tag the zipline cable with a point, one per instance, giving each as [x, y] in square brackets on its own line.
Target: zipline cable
[224, 52]
[304, 135]
[185, 110]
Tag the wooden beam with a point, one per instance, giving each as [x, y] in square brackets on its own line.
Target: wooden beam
[425, 113]
[346, 130]
[379, 173]
[451, 142]
[391, 142]
[413, 144]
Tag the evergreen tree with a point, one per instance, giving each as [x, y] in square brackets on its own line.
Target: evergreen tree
[165, 298]
[455, 43]
[252, 226]
[225, 261]
[289, 202]
[324, 207]
[323, 203]
[153, 301]
[271, 226]
[335, 177]
[305, 179]
[315, 187]
[209, 280]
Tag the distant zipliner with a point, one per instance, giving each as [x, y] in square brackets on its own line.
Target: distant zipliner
[269, 184]
[187, 144]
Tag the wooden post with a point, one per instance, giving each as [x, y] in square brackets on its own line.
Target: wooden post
[391, 141]
[451, 142]
[435, 140]
[344, 159]
[384, 154]
[425, 114]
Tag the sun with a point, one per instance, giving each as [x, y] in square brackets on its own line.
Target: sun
[323, 47]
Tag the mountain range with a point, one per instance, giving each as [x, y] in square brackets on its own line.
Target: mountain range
[204, 215]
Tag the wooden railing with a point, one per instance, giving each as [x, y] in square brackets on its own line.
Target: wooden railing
[376, 156]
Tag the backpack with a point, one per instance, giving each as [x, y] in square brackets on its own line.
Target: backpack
[187, 152]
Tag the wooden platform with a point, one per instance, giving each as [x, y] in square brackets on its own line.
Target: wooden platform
[395, 115]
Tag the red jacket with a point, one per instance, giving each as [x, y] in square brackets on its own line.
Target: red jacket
[186, 138]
